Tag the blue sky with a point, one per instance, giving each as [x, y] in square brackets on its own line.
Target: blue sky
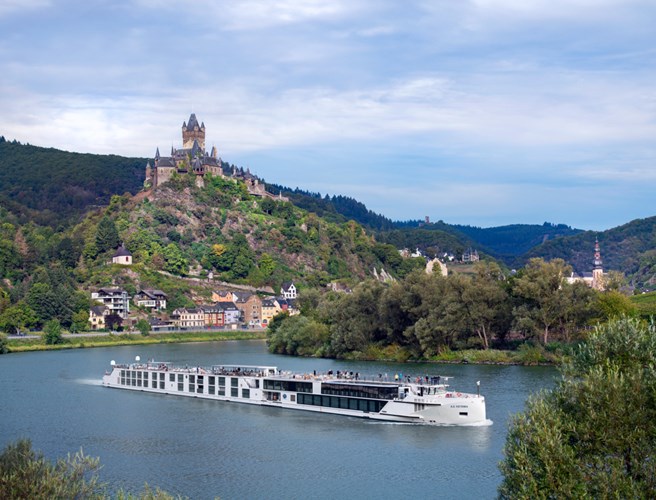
[480, 112]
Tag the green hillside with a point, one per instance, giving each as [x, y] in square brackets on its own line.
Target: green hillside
[50, 186]
[630, 248]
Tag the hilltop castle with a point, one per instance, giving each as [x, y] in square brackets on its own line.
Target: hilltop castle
[191, 158]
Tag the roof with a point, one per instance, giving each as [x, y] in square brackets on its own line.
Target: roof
[193, 122]
[226, 306]
[287, 285]
[98, 310]
[111, 291]
[152, 293]
[122, 252]
[242, 296]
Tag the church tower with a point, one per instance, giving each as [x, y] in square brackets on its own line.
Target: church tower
[193, 132]
[597, 270]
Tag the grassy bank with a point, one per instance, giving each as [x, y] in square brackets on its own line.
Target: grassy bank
[526, 355]
[75, 342]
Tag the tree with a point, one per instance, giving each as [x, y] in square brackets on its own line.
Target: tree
[53, 333]
[106, 235]
[144, 327]
[26, 474]
[594, 435]
[17, 318]
[174, 260]
[113, 321]
[80, 321]
[4, 349]
[539, 287]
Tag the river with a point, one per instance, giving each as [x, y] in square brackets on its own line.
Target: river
[204, 449]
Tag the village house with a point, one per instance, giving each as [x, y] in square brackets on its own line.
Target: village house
[222, 296]
[212, 315]
[288, 290]
[231, 313]
[270, 307]
[97, 315]
[188, 318]
[122, 256]
[151, 299]
[250, 306]
[115, 299]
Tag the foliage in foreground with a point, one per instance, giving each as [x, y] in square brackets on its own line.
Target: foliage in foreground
[25, 473]
[594, 435]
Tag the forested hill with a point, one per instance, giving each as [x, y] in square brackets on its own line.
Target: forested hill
[336, 208]
[630, 248]
[51, 186]
[515, 239]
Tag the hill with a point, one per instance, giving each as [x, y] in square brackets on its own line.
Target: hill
[630, 248]
[50, 186]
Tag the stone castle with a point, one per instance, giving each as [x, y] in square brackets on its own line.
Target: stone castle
[194, 158]
[191, 158]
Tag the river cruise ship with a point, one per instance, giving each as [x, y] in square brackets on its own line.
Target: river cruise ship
[418, 400]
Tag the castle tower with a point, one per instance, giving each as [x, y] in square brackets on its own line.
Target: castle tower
[597, 269]
[193, 132]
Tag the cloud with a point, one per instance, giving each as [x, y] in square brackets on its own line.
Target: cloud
[10, 7]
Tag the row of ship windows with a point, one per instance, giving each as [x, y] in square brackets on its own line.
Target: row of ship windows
[196, 383]
[366, 405]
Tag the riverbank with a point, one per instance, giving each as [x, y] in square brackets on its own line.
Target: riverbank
[525, 355]
[74, 341]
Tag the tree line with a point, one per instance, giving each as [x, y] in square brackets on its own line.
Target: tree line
[428, 313]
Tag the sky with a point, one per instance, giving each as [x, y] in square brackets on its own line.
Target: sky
[477, 112]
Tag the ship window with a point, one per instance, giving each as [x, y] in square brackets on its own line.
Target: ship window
[161, 377]
[362, 404]
[246, 393]
[145, 376]
[343, 403]
[353, 404]
[234, 382]
[257, 384]
[180, 378]
[234, 392]
[171, 377]
[192, 379]
[221, 391]
[221, 380]
[154, 383]
[180, 386]
[211, 379]
[292, 398]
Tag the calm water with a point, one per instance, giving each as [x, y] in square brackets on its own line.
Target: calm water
[204, 449]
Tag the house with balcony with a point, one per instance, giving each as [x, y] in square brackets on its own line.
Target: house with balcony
[114, 299]
[250, 306]
[151, 299]
[212, 315]
[231, 313]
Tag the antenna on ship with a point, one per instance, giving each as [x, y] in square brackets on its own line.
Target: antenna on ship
[478, 388]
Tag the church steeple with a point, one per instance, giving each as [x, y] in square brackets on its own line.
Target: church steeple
[597, 255]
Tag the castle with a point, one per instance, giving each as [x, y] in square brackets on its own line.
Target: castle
[194, 158]
[191, 158]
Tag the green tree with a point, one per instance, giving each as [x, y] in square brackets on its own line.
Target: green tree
[594, 435]
[144, 327]
[539, 286]
[174, 260]
[16, 318]
[80, 321]
[106, 235]
[53, 333]
[4, 348]
[613, 304]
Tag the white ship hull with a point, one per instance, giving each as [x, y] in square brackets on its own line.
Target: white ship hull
[418, 403]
